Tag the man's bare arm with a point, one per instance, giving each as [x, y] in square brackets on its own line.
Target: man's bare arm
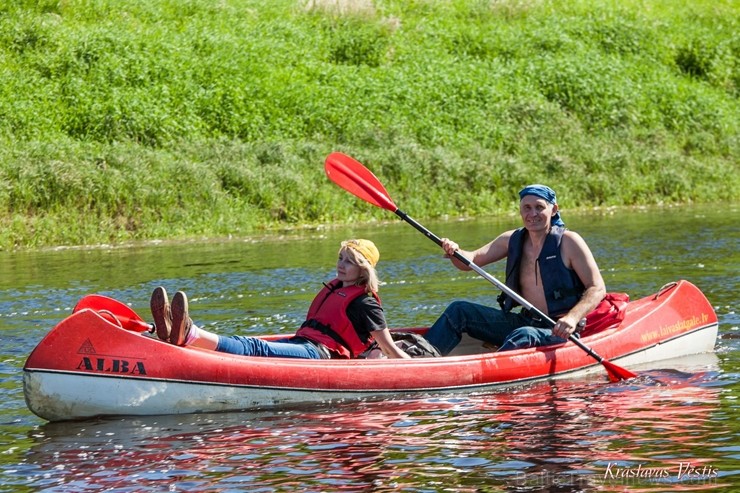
[487, 254]
[577, 255]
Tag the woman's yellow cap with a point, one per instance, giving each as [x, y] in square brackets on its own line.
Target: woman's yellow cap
[366, 248]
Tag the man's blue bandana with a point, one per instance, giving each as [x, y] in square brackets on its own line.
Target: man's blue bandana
[546, 193]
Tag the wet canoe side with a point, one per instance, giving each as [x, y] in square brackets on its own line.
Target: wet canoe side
[87, 366]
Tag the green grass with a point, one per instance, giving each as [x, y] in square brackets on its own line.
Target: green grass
[131, 119]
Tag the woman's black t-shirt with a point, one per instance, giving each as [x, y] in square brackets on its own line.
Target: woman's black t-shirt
[366, 315]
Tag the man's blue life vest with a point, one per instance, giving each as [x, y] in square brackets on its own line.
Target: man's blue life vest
[563, 288]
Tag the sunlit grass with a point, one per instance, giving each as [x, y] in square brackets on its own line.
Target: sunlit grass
[130, 119]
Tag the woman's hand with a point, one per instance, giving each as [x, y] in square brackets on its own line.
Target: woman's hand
[389, 348]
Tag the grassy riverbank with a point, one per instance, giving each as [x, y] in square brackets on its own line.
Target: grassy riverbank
[133, 119]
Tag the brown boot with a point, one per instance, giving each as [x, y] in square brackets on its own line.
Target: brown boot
[181, 322]
[161, 312]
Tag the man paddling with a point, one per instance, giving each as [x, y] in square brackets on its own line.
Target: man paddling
[548, 265]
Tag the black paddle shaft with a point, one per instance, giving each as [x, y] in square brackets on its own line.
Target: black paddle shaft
[358, 180]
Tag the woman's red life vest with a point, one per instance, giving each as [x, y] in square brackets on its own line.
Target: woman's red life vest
[327, 322]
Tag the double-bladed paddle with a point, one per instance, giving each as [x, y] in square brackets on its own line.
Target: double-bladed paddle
[352, 176]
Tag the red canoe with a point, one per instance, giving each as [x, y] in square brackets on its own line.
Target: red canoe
[96, 364]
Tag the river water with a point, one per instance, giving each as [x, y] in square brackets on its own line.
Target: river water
[678, 421]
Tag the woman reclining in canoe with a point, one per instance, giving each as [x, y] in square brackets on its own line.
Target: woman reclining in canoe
[342, 322]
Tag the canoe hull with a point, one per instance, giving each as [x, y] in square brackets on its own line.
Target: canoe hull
[87, 366]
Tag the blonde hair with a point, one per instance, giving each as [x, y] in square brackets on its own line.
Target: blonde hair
[368, 275]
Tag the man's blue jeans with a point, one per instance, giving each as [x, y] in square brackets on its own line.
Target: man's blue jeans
[488, 324]
[283, 348]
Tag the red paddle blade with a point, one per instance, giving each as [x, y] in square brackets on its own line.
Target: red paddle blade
[357, 180]
[129, 319]
[617, 373]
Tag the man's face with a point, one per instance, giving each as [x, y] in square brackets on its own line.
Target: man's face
[536, 212]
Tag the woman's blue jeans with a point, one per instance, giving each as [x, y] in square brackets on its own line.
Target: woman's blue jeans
[488, 324]
[252, 346]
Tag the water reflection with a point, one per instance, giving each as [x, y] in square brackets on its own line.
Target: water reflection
[569, 434]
